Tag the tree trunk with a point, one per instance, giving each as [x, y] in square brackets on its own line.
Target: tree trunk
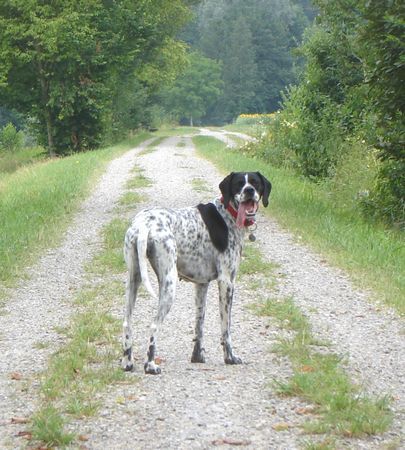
[48, 120]
[191, 121]
[46, 112]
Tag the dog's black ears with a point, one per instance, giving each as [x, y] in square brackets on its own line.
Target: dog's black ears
[225, 188]
[266, 189]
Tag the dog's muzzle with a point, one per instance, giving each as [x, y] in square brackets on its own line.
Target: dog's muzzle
[247, 207]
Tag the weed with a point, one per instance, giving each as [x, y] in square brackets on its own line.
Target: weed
[87, 362]
[200, 185]
[111, 258]
[139, 181]
[252, 262]
[341, 408]
[152, 147]
[129, 199]
[48, 427]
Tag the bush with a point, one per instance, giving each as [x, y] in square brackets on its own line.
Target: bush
[309, 127]
[11, 140]
[387, 200]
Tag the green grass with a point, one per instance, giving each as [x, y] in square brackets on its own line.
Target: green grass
[253, 263]
[38, 200]
[152, 147]
[129, 199]
[200, 185]
[12, 161]
[373, 256]
[111, 258]
[138, 181]
[48, 427]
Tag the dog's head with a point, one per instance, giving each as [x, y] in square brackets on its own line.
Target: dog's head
[243, 191]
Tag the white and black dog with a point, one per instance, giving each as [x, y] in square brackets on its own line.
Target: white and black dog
[198, 244]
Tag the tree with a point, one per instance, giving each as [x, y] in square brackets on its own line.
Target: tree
[253, 39]
[383, 48]
[60, 60]
[240, 72]
[351, 92]
[196, 90]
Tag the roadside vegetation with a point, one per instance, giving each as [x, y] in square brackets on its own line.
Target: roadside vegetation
[336, 408]
[38, 199]
[372, 255]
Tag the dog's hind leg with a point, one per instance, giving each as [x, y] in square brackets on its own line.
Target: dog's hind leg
[198, 355]
[133, 282]
[225, 310]
[166, 271]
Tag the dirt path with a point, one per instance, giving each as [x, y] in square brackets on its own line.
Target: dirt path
[40, 305]
[199, 406]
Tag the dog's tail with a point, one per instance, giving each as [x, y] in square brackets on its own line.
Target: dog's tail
[142, 247]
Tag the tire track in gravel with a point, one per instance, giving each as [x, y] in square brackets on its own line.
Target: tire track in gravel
[40, 304]
[194, 406]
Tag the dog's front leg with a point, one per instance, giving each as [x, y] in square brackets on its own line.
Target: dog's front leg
[198, 355]
[225, 310]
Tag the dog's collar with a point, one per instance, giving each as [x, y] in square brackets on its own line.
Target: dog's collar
[234, 213]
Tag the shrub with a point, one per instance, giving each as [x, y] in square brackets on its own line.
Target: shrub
[308, 126]
[10, 139]
[387, 199]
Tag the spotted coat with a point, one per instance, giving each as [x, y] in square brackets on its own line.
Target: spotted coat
[197, 244]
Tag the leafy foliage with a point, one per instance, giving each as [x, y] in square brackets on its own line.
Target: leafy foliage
[62, 62]
[350, 98]
[10, 138]
[253, 40]
[196, 90]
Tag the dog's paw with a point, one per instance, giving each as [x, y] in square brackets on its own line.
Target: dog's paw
[233, 359]
[152, 368]
[198, 355]
[127, 364]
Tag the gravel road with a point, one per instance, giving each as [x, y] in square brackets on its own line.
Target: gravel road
[195, 406]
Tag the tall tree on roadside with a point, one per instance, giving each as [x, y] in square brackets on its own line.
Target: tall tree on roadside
[60, 59]
[239, 71]
[382, 40]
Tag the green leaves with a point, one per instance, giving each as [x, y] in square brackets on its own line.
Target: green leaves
[61, 60]
[196, 90]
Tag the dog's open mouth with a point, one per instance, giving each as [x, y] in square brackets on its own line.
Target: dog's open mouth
[246, 211]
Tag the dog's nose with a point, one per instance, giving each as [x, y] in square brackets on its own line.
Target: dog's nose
[249, 191]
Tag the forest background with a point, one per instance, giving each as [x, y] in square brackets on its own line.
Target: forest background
[77, 75]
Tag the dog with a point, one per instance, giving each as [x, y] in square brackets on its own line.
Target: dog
[198, 244]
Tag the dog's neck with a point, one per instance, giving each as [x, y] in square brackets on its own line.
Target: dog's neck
[234, 213]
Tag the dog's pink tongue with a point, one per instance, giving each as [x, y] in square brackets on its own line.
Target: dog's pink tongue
[241, 217]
